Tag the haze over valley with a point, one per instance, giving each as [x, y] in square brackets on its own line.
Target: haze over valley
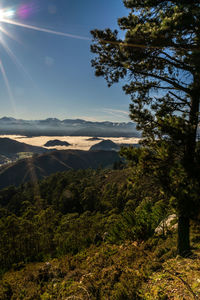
[53, 134]
[76, 142]
[67, 127]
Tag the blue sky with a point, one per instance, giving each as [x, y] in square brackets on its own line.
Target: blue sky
[53, 76]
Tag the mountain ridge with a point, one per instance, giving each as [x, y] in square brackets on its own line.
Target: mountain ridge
[73, 127]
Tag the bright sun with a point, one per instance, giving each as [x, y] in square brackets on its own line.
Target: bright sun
[9, 13]
[7, 16]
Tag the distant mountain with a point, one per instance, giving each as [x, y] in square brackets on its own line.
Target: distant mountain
[53, 143]
[10, 146]
[78, 127]
[37, 167]
[106, 145]
[109, 145]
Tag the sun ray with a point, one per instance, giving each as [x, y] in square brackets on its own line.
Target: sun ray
[17, 61]
[33, 176]
[9, 34]
[120, 43]
[4, 20]
[8, 87]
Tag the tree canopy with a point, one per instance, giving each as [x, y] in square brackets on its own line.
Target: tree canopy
[157, 55]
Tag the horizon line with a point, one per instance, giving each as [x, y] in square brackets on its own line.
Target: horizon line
[77, 118]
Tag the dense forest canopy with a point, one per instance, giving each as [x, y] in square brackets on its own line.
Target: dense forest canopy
[42, 221]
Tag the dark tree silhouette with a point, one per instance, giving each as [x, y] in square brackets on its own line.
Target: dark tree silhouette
[159, 59]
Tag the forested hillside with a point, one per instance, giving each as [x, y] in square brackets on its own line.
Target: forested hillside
[104, 221]
[61, 214]
[39, 166]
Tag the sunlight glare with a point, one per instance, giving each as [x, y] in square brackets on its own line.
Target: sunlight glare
[8, 13]
[1, 14]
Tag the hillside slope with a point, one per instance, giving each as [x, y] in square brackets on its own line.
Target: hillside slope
[106, 145]
[108, 271]
[37, 167]
[10, 146]
[88, 234]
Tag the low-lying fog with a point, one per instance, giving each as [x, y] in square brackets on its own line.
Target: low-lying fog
[76, 142]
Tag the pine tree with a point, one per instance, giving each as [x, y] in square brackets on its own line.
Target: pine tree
[159, 61]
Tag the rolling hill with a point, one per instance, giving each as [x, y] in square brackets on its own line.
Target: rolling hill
[37, 167]
[53, 143]
[10, 146]
[106, 145]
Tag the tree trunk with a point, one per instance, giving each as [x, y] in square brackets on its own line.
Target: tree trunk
[189, 164]
[183, 236]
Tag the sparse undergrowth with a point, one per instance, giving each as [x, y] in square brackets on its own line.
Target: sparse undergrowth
[126, 271]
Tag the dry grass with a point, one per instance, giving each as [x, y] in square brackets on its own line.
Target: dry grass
[116, 272]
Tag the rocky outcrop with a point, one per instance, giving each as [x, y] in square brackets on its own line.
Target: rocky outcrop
[167, 224]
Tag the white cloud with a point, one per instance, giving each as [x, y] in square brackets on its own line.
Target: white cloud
[116, 111]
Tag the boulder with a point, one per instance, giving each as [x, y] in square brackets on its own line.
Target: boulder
[166, 225]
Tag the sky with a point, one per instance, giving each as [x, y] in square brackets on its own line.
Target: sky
[47, 75]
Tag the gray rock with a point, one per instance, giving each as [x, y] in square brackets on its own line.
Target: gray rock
[166, 225]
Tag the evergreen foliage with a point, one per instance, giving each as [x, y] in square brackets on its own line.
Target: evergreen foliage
[158, 58]
[67, 212]
[93, 229]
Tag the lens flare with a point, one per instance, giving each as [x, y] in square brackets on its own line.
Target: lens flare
[41, 29]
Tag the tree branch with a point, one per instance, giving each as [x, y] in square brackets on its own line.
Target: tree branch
[176, 65]
[171, 82]
[179, 98]
[188, 68]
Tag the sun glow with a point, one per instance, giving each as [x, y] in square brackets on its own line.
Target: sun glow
[7, 16]
[6, 13]
[1, 15]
